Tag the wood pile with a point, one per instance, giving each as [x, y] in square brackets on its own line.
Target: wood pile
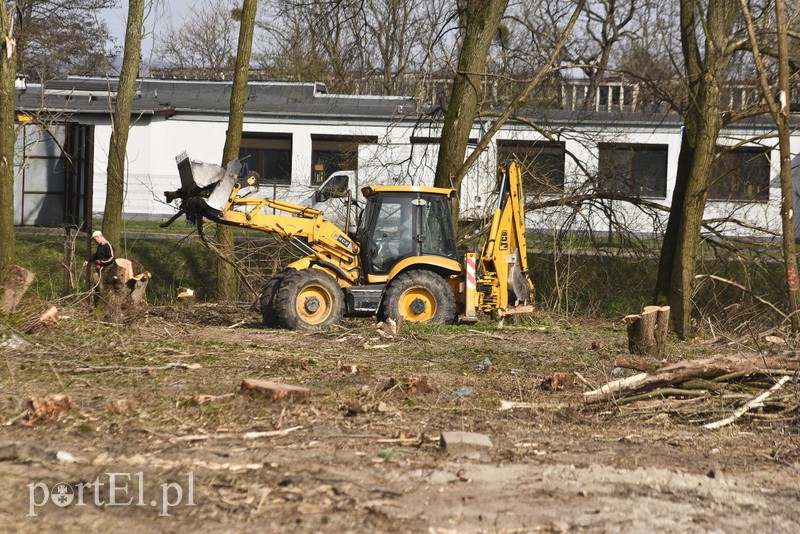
[740, 383]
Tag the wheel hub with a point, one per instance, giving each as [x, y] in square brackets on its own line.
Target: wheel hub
[417, 306]
[312, 304]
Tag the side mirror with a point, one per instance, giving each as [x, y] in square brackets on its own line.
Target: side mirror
[319, 196]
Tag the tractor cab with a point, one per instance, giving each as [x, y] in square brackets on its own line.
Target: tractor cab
[401, 222]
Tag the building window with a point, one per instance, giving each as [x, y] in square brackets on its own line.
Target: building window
[740, 174]
[330, 154]
[636, 170]
[542, 164]
[270, 155]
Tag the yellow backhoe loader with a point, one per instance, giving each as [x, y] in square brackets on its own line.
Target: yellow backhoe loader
[401, 260]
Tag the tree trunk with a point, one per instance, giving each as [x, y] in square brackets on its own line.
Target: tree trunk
[670, 242]
[787, 195]
[8, 76]
[780, 114]
[596, 77]
[226, 273]
[688, 238]
[120, 123]
[482, 19]
[701, 127]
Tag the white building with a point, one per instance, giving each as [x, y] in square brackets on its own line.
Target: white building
[297, 134]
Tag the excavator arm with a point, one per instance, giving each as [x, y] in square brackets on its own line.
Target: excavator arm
[211, 192]
[504, 259]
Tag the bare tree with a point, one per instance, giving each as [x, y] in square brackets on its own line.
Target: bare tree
[708, 47]
[226, 275]
[58, 37]
[121, 121]
[204, 41]
[780, 110]
[365, 46]
[315, 41]
[652, 59]
[8, 76]
[457, 144]
[393, 26]
[606, 21]
[480, 22]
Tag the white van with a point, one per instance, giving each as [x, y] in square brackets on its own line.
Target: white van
[333, 196]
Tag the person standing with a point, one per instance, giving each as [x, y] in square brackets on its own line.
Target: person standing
[104, 254]
[103, 257]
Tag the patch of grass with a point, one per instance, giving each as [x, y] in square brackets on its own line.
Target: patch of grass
[173, 264]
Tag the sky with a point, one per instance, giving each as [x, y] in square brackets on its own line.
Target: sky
[157, 23]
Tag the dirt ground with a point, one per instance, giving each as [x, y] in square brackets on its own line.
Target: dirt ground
[362, 453]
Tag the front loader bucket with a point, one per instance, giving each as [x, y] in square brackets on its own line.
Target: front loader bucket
[219, 195]
[207, 180]
[197, 174]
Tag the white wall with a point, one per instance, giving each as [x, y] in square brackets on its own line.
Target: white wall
[155, 141]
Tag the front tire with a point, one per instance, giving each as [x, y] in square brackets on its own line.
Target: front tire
[419, 296]
[309, 299]
[269, 295]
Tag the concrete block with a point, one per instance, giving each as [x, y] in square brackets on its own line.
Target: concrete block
[467, 444]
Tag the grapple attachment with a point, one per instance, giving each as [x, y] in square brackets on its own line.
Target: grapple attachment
[205, 187]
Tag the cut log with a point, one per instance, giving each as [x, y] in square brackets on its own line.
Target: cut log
[647, 331]
[677, 373]
[47, 318]
[275, 390]
[186, 296]
[14, 287]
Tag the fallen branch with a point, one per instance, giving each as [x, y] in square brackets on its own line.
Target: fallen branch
[752, 372]
[511, 405]
[231, 435]
[664, 392]
[106, 369]
[582, 379]
[629, 383]
[205, 399]
[676, 373]
[753, 403]
[487, 334]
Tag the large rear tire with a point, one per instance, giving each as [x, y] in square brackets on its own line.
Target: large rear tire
[269, 295]
[419, 296]
[309, 299]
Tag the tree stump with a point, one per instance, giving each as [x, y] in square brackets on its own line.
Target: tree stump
[125, 292]
[123, 269]
[647, 331]
[14, 287]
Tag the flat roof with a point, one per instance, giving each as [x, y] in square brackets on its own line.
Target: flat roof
[305, 101]
[96, 95]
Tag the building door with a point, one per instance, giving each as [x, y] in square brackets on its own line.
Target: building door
[54, 165]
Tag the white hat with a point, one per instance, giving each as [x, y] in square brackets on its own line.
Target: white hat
[96, 233]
